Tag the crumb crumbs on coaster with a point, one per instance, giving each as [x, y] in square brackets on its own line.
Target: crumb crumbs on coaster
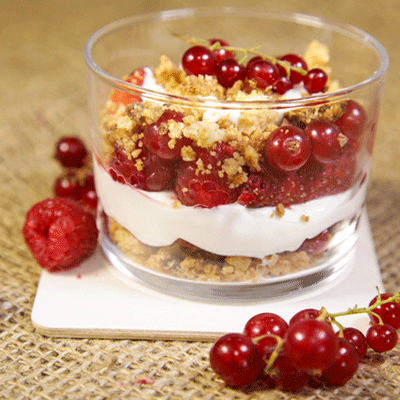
[304, 218]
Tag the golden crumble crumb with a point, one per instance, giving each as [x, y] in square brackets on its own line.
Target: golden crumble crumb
[304, 218]
[280, 210]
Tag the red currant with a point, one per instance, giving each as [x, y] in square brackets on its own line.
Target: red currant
[67, 186]
[287, 148]
[389, 312]
[229, 71]
[352, 122]
[311, 345]
[382, 338]
[344, 366]
[221, 54]
[357, 339]
[295, 61]
[263, 72]
[286, 376]
[158, 141]
[198, 60]
[71, 152]
[282, 85]
[265, 324]
[315, 80]
[308, 313]
[89, 199]
[236, 359]
[327, 140]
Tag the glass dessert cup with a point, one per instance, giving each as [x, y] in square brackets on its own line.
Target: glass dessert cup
[209, 215]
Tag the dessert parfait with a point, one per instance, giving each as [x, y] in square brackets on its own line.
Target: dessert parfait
[232, 167]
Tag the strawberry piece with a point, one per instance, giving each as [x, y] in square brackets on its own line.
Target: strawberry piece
[269, 190]
[335, 177]
[59, 233]
[147, 171]
[121, 97]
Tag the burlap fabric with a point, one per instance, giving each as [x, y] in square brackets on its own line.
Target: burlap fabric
[34, 113]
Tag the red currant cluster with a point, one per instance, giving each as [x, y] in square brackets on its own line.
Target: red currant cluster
[307, 350]
[77, 180]
[218, 59]
[61, 232]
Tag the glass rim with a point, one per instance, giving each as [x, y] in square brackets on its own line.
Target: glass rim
[257, 12]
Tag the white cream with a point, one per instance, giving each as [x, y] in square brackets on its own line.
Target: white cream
[156, 219]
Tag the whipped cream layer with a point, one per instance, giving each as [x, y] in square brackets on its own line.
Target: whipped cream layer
[158, 219]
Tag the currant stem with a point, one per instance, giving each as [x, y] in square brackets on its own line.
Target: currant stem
[275, 353]
[355, 310]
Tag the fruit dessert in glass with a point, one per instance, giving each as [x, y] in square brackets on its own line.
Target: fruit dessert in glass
[232, 165]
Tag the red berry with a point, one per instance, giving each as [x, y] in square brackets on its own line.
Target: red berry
[308, 313]
[158, 141]
[71, 152]
[206, 187]
[317, 244]
[263, 72]
[282, 85]
[67, 186]
[265, 324]
[352, 122]
[287, 148]
[229, 71]
[59, 233]
[335, 177]
[89, 199]
[327, 140]
[315, 80]
[311, 345]
[382, 338]
[389, 312]
[357, 339]
[269, 190]
[236, 359]
[266, 345]
[295, 61]
[287, 376]
[221, 54]
[204, 190]
[148, 171]
[344, 366]
[198, 60]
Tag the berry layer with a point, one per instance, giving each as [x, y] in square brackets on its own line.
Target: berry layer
[158, 219]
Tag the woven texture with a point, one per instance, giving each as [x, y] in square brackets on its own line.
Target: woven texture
[51, 104]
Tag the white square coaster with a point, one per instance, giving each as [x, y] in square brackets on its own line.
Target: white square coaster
[95, 300]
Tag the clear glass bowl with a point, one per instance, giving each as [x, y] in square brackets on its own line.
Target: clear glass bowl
[212, 234]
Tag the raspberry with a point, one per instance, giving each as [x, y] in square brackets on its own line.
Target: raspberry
[59, 233]
[208, 187]
[147, 172]
[204, 190]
